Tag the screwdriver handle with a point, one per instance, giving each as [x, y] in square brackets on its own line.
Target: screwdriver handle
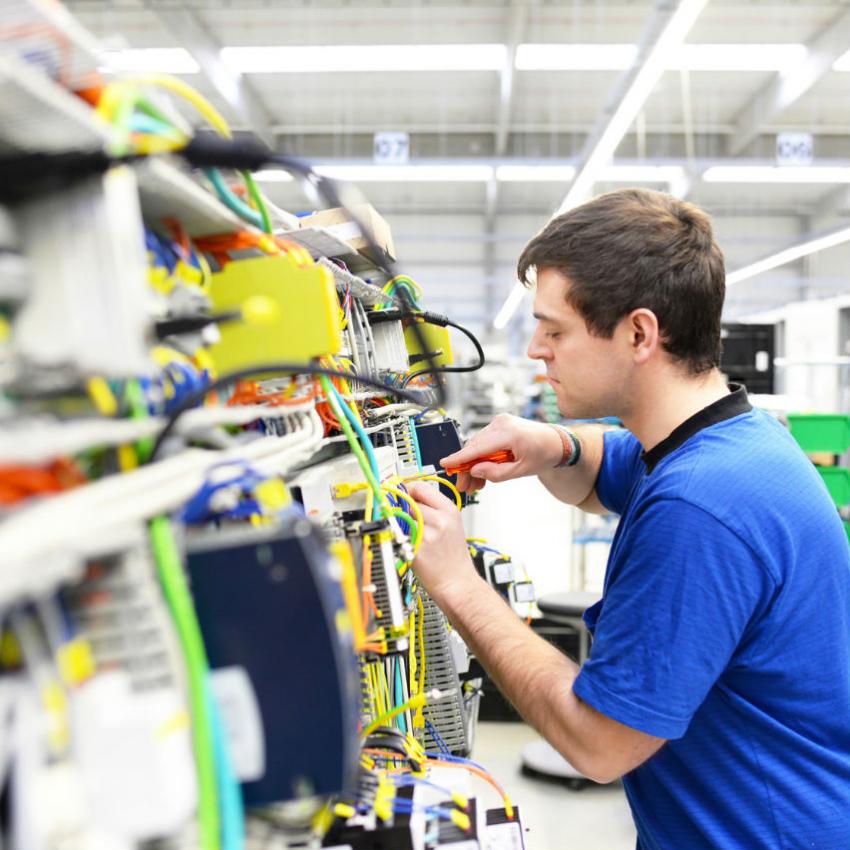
[502, 456]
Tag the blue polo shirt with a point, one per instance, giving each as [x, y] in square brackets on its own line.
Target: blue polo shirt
[725, 628]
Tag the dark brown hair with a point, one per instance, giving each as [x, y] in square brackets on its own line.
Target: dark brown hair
[638, 248]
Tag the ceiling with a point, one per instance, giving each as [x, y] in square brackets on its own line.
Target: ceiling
[461, 239]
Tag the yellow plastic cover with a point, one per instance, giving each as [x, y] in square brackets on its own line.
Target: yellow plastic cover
[291, 310]
[437, 339]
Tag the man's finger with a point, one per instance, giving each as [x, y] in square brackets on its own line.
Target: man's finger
[481, 445]
[492, 471]
[425, 494]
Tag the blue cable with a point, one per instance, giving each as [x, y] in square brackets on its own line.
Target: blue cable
[399, 697]
[229, 790]
[437, 738]
[232, 201]
[358, 428]
[415, 438]
[456, 759]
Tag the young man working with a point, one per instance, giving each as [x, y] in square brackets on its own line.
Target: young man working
[718, 684]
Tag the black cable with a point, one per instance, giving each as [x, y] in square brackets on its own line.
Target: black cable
[198, 396]
[444, 369]
[207, 150]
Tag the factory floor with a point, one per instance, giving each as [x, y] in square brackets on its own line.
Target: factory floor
[555, 818]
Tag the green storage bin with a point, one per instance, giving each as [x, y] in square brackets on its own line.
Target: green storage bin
[837, 480]
[821, 432]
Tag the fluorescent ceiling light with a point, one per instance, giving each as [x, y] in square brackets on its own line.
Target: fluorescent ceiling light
[776, 174]
[575, 57]
[513, 301]
[639, 89]
[611, 174]
[692, 57]
[164, 60]
[737, 57]
[842, 63]
[535, 173]
[788, 255]
[408, 173]
[273, 176]
[641, 174]
[306, 59]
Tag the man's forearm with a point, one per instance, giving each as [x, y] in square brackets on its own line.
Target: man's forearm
[575, 484]
[535, 676]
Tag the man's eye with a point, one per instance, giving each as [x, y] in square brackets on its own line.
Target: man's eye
[554, 335]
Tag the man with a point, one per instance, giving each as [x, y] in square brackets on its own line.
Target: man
[718, 683]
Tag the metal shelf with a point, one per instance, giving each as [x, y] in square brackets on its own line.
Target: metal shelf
[36, 114]
[165, 190]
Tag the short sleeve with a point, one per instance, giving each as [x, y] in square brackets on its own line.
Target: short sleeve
[621, 465]
[671, 619]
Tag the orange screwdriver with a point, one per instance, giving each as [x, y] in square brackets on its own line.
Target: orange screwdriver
[502, 456]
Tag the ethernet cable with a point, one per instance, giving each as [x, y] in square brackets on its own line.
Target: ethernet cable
[120, 114]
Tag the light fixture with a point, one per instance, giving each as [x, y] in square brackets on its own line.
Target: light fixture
[691, 57]
[163, 60]
[353, 58]
[535, 173]
[777, 174]
[514, 299]
[464, 173]
[273, 176]
[641, 174]
[737, 57]
[575, 57]
[639, 89]
[788, 255]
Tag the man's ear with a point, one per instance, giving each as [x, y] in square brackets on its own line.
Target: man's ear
[643, 334]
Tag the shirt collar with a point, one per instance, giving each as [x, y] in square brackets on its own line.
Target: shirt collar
[727, 407]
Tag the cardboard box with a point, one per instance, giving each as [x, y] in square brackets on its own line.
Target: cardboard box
[337, 222]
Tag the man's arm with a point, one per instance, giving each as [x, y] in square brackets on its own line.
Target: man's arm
[535, 676]
[576, 485]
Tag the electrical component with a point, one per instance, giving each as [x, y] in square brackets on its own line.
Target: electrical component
[290, 292]
[269, 604]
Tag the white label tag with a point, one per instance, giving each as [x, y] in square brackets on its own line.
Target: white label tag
[795, 148]
[504, 572]
[243, 724]
[504, 836]
[391, 148]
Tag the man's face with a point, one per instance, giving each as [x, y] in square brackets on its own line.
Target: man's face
[590, 375]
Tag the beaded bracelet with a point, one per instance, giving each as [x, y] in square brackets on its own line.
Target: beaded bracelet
[571, 445]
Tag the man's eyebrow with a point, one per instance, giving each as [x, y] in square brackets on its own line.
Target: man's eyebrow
[542, 317]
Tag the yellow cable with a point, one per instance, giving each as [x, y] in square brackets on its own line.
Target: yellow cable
[413, 702]
[187, 93]
[445, 483]
[420, 605]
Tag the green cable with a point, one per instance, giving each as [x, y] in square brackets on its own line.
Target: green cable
[258, 199]
[170, 571]
[232, 201]
[135, 397]
[414, 525]
[350, 436]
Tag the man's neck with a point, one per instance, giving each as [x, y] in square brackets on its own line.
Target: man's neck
[663, 405]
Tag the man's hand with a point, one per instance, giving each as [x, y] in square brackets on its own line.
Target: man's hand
[443, 564]
[535, 446]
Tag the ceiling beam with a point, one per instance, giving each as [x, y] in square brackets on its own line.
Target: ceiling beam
[667, 27]
[789, 86]
[231, 85]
